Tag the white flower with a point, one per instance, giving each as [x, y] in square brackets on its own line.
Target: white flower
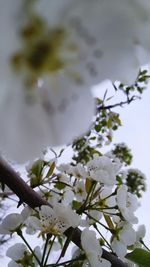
[80, 191]
[140, 233]
[11, 223]
[20, 252]
[127, 204]
[125, 237]
[92, 249]
[103, 170]
[47, 111]
[68, 197]
[78, 171]
[84, 43]
[17, 251]
[55, 220]
[14, 264]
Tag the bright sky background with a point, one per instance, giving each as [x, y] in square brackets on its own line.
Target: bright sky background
[135, 132]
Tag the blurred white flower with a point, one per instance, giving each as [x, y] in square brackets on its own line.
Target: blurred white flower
[58, 50]
[92, 249]
[43, 102]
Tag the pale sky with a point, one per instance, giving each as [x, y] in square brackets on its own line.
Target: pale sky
[136, 133]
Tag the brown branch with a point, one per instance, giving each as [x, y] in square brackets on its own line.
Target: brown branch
[27, 195]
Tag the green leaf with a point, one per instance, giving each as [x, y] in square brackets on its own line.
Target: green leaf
[97, 128]
[76, 205]
[51, 169]
[88, 184]
[109, 123]
[140, 257]
[59, 185]
[117, 120]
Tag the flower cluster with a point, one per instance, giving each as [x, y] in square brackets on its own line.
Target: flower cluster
[51, 54]
[87, 196]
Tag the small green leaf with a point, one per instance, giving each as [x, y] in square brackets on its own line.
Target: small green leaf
[97, 128]
[109, 123]
[59, 185]
[88, 184]
[140, 257]
[76, 205]
[51, 169]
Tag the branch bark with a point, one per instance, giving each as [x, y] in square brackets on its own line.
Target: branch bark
[26, 194]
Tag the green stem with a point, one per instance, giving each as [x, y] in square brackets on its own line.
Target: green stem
[19, 232]
[49, 251]
[95, 226]
[82, 208]
[45, 248]
[61, 263]
[97, 221]
[142, 242]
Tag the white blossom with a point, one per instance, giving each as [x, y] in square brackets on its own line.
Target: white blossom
[140, 234]
[126, 236]
[11, 223]
[68, 197]
[92, 248]
[80, 191]
[55, 220]
[96, 40]
[55, 102]
[79, 171]
[127, 204]
[103, 170]
[18, 252]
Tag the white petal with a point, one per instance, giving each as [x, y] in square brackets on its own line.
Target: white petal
[14, 264]
[128, 235]
[16, 252]
[119, 248]
[89, 241]
[12, 221]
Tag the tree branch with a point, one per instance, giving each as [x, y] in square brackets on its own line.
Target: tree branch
[26, 194]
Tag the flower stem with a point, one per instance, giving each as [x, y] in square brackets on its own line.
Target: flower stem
[45, 248]
[19, 232]
[49, 250]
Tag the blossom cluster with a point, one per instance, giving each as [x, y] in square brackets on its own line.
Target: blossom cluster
[86, 196]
